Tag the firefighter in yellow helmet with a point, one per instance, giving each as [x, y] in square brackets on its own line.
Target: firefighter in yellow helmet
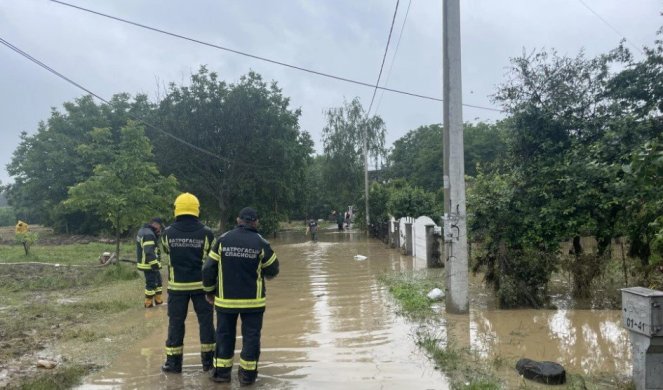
[148, 260]
[187, 241]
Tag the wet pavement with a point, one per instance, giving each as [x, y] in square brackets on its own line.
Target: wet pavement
[330, 324]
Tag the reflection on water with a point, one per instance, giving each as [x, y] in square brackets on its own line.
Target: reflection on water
[329, 324]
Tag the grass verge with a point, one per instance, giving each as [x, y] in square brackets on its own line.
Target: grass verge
[67, 313]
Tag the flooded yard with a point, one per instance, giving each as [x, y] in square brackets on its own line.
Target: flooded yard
[330, 324]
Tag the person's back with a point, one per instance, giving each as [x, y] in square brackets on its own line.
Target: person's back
[242, 251]
[187, 241]
[233, 276]
[148, 260]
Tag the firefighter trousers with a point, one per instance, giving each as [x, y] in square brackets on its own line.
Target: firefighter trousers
[152, 282]
[226, 329]
[178, 306]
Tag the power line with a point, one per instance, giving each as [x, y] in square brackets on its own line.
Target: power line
[90, 92]
[384, 57]
[611, 27]
[393, 58]
[265, 59]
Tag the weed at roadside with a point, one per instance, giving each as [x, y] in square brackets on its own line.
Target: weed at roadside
[60, 378]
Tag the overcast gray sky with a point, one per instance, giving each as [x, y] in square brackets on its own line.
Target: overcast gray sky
[342, 37]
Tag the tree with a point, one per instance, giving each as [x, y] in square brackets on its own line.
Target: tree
[343, 137]
[244, 148]
[128, 189]
[574, 124]
[417, 156]
[408, 201]
[47, 163]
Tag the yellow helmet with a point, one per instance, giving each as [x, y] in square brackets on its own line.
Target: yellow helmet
[187, 204]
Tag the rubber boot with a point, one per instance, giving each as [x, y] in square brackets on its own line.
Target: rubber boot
[247, 377]
[220, 375]
[207, 358]
[157, 299]
[173, 364]
[148, 302]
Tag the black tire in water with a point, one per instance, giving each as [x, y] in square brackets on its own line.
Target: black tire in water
[549, 373]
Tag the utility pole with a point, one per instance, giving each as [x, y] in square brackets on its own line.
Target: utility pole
[455, 221]
[366, 173]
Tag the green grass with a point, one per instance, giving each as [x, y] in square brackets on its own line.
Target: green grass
[71, 308]
[70, 254]
[447, 357]
[37, 277]
[410, 292]
[57, 379]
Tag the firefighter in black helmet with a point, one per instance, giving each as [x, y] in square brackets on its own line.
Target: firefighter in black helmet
[233, 276]
[187, 241]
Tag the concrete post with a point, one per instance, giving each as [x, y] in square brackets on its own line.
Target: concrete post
[433, 250]
[457, 300]
[408, 238]
[642, 315]
[395, 235]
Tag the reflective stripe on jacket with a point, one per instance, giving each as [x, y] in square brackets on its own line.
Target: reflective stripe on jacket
[187, 241]
[235, 270]
[147, 249]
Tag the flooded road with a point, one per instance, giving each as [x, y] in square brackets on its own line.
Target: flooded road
[329, 324]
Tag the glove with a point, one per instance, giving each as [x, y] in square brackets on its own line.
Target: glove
[209, 297]
[156, 267]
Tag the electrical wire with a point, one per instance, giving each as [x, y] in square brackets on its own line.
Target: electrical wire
[393, 58]
[174, 137]
[384, 57]
[265, 59]
[611, 27]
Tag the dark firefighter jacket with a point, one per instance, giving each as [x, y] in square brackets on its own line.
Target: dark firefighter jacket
[187, 241]
[235, 270]
[147, 250]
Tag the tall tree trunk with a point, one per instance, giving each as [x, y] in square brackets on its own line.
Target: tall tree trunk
[577, 247]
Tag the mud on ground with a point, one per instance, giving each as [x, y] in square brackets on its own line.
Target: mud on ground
[75, 317]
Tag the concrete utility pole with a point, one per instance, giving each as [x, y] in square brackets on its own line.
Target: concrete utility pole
[455, 222]
[366, 175]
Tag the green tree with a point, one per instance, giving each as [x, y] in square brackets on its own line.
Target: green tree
[128, 189]
[417, 156]
[409, 201]
[572, 128]
[7, 216]
[484, 144]
[347, 130]
[254, 151]
[47, 163]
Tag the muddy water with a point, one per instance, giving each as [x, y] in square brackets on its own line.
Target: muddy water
[330, 325]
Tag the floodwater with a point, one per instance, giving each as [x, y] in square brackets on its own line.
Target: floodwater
[330, 324]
